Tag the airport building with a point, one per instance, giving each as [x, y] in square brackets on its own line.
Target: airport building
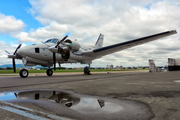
[152, 66]
[173, 64]
[110, 67]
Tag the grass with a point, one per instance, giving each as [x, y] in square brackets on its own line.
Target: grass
[71, 70]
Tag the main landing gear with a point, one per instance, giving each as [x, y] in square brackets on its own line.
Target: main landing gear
[87, 70]
[49, 72]
[24, 73]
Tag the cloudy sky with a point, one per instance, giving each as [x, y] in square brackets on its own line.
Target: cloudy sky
[27, 22]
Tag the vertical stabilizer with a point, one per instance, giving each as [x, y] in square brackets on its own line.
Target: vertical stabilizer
[152, 66]
[99, 42]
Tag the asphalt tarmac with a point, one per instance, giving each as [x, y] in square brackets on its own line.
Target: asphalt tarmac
[157, 93]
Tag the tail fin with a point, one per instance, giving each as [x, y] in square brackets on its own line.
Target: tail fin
[152, 66]
[99, 42]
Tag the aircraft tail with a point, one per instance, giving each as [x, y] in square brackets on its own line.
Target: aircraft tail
[152, 66]
[99, 42]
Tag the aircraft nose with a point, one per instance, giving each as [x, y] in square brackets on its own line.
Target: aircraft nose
[53, 49]
[22, 51]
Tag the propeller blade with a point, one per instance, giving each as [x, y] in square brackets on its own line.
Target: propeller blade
[54, 60]
[54, 54]
[13, 59]
[14, 65]
[17, 49]
[61, 41]
[7, 52]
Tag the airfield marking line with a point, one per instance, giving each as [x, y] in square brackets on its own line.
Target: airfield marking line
[23, 111]
[71, 73]
[68, 81]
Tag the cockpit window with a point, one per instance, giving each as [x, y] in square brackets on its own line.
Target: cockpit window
[51, 41]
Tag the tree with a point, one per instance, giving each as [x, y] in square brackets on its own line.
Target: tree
[9, 68]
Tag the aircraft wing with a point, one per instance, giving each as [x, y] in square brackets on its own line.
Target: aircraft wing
[96, 53]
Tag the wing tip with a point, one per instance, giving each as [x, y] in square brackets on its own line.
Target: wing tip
[173, 31]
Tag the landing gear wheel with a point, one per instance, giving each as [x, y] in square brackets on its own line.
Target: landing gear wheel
[23, 73]
[49, 72]
[87, 71]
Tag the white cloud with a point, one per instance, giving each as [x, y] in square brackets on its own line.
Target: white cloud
[10, 48]
[118, 20]
[9, 24]
[52, 30]
[12, 26]
[23, 37]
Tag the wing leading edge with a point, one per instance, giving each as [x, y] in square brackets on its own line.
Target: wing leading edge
[121, 46]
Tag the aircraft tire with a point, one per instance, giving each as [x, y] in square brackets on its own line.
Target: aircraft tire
[87, 70]
[23, 73]
[49, 72]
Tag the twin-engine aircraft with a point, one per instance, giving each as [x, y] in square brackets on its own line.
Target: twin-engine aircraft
[62, 51]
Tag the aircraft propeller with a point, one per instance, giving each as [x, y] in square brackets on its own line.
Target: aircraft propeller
[54, 54]
[13, 59]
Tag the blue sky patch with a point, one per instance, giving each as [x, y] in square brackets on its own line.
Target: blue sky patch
[19, 11]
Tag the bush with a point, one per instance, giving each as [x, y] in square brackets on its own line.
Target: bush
[61, 68]
[9, 68]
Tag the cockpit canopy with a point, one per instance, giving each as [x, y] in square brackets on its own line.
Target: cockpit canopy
[52, 40]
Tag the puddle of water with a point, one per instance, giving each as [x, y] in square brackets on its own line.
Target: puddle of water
[7, 96]
[78, 106]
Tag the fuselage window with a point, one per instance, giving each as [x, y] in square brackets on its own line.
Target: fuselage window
[48, 41]
[54, 40]
[51, 41]
[36, 50]
[36, 96]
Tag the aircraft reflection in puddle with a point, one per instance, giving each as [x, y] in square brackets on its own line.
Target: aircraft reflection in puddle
[73, 105]
[79, 103]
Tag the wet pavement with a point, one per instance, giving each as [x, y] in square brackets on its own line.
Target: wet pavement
[159, 93]
[72, 105]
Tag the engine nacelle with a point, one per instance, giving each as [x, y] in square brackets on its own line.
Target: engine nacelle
[72, 44]
[63, 49]
[29, 61]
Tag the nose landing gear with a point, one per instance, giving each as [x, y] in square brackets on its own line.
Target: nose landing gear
[23, 73]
